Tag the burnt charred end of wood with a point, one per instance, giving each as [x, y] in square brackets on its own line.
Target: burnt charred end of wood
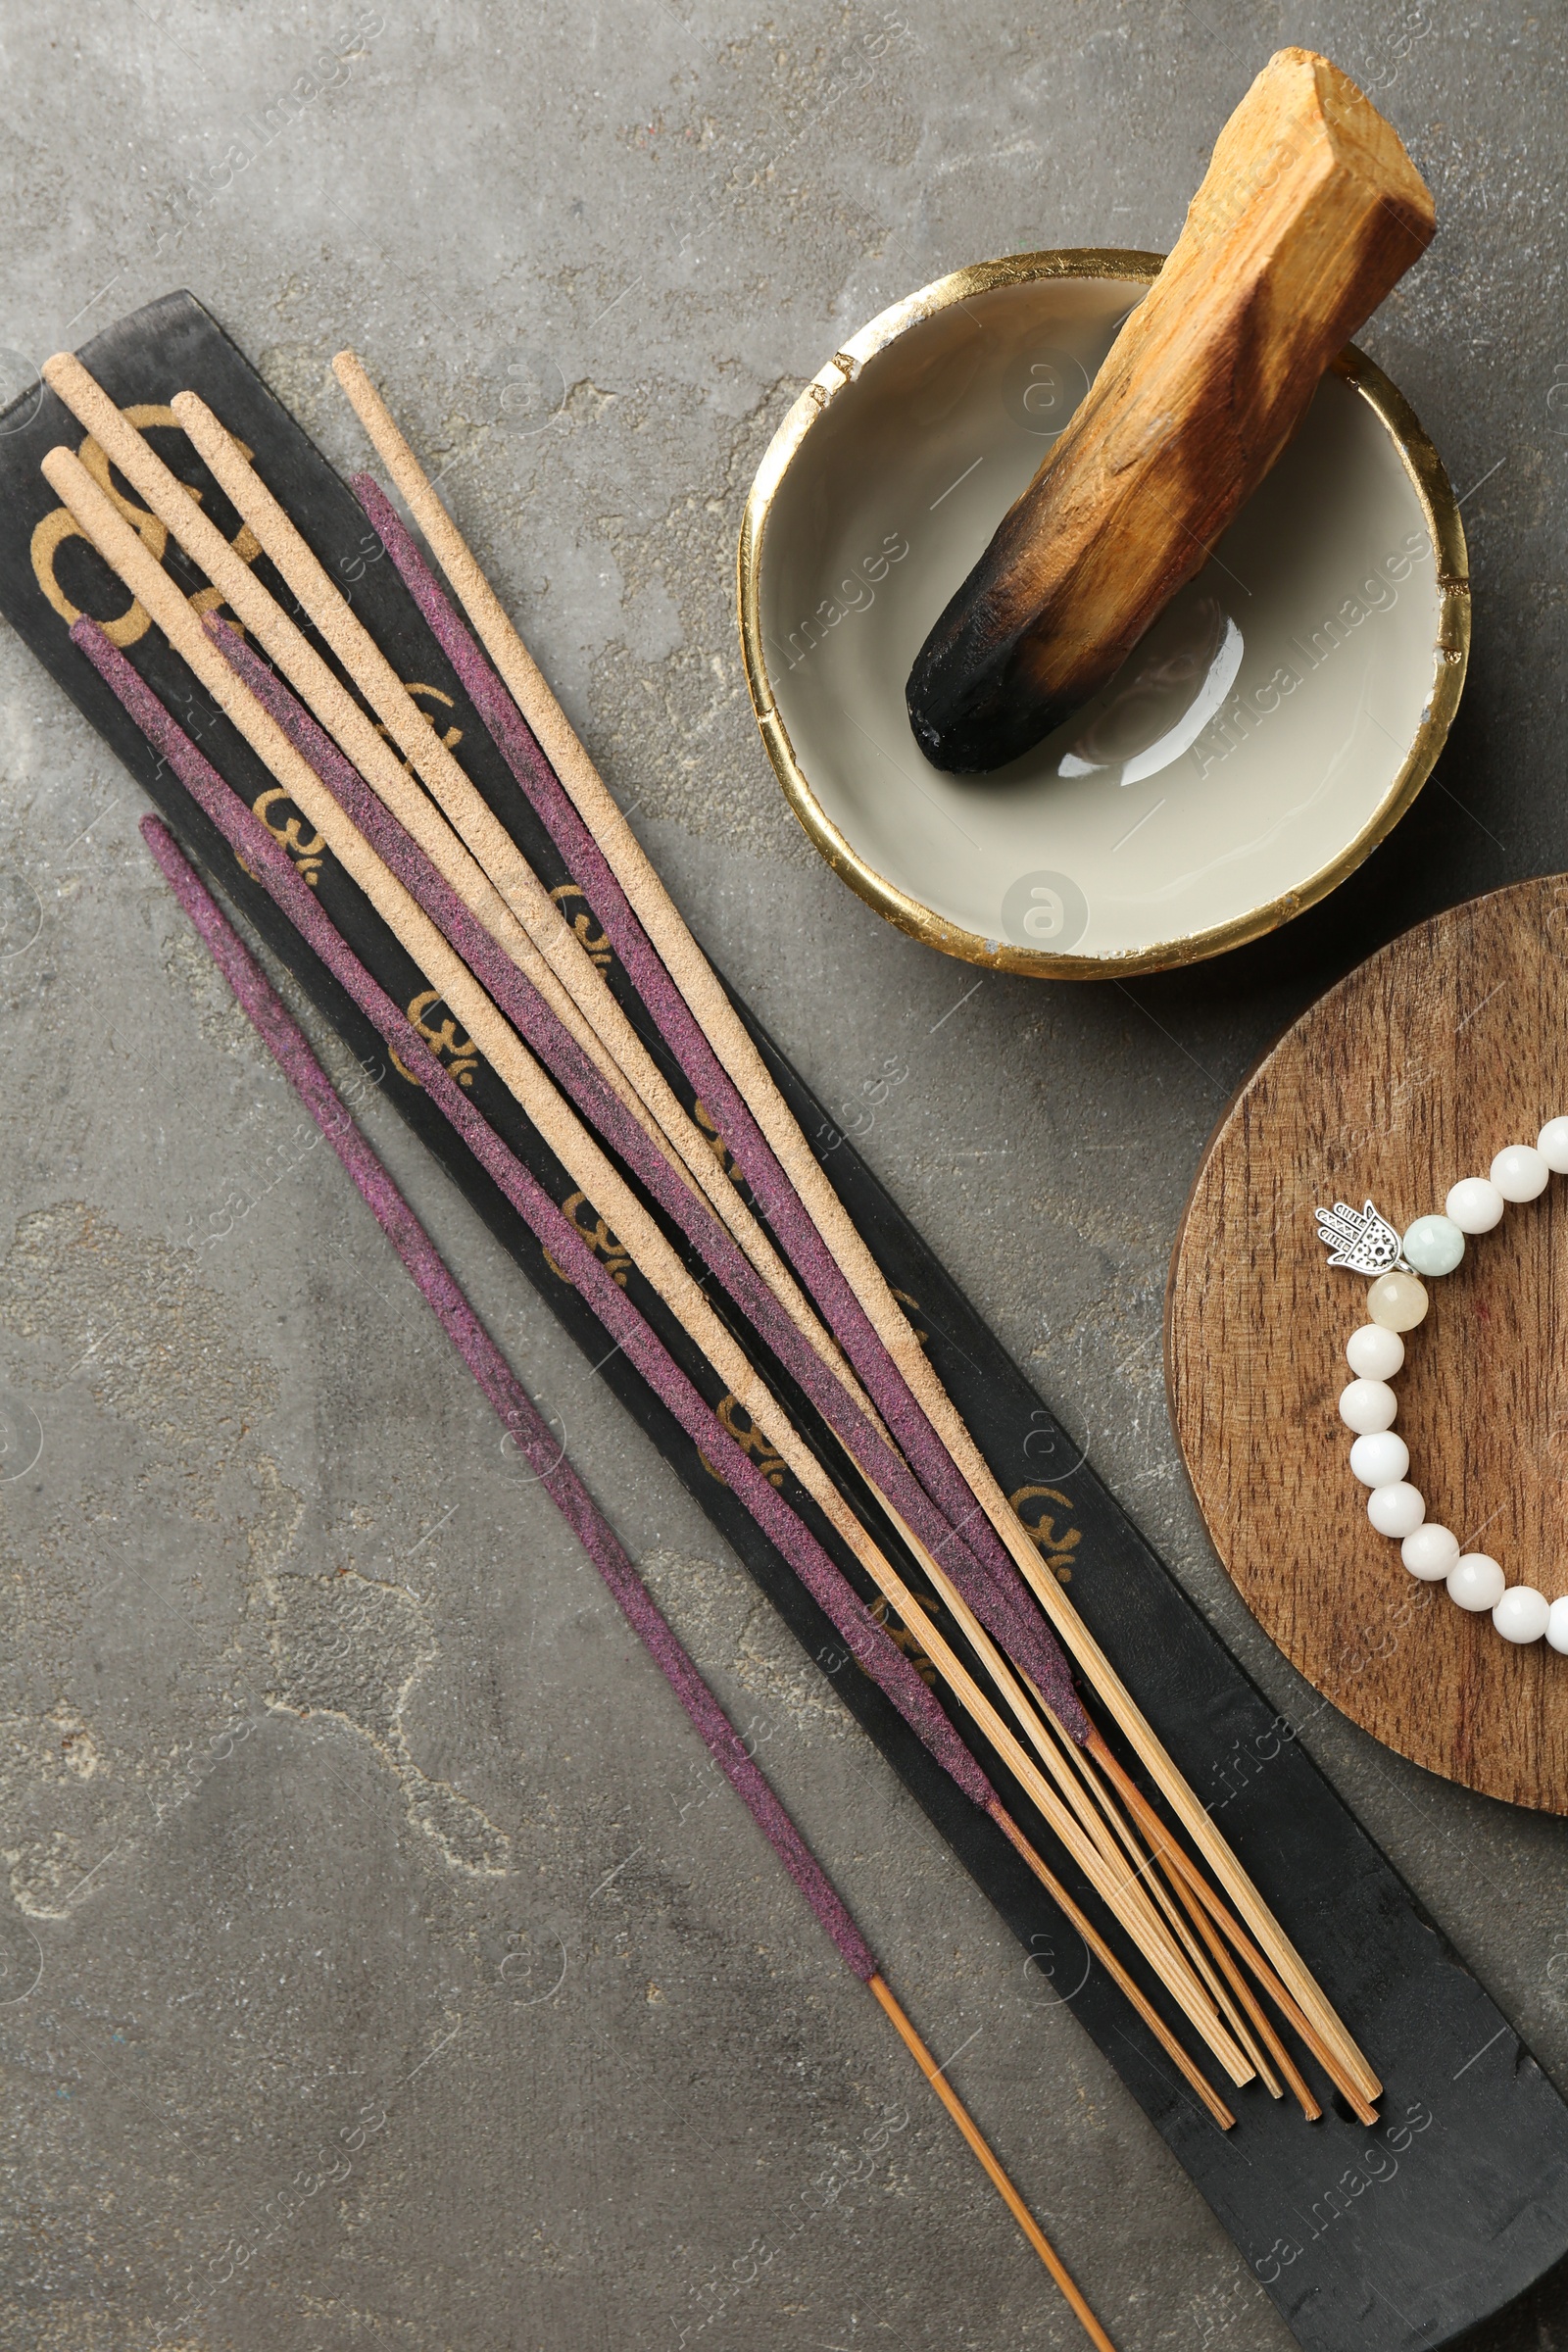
[976, 698]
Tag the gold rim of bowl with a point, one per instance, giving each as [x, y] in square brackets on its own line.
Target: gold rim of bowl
[1451, 650]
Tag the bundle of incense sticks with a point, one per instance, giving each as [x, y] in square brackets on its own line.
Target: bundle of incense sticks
[534, 1439]
[803, 1328]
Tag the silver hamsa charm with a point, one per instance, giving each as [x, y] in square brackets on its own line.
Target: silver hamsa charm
[1358, 1239]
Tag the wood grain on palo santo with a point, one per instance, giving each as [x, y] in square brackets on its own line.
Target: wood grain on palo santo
[1310, 210]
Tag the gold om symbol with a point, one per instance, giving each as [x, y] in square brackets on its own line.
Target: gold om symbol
[599, 1237]
[450, 740]
[306, 855]
[737, 1422]
[582, 923]
[913, 1304]
[60, 524]
[1041, 1530]
[728, 1165]
[459, 1054]
[900, 1637]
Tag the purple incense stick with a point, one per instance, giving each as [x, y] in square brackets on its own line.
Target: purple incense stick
[512, 1401]
[967, 1527]
[868, 1642]
[1019, 1627]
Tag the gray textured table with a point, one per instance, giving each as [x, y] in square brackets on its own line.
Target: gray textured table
[335, 1799]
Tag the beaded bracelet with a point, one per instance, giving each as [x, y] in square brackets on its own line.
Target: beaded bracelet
[1395, 1302]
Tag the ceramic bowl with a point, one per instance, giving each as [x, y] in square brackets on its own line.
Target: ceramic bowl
[1280, 717]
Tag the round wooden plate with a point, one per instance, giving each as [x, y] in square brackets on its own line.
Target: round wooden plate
[1415, 1070]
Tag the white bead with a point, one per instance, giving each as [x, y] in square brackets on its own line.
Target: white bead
[1557, 1624]
[1430, 1552]
[1520, 1173]
[1521, 1614]
[1366, 1405]
[1374, 1353]
[1379, 1459]
[1476, 1583]
[1475, 1204]
[1552, 1145]
[1396, 1510]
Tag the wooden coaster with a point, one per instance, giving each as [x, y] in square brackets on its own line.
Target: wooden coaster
[1414, 1071]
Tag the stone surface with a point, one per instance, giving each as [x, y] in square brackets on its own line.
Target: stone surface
[339, 1812]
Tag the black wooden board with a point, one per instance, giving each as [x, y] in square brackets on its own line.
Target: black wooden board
[1396, 2240]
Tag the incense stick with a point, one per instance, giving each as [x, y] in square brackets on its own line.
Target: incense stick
[514, 883]
[736, 1051]
[1123, 1890]
[532, 771]
[326, 607]
[323, 601]
[375, 674]
[861, 1436]
[659, 1108]
[513, 904]
[522, 1420]
[867, 1639]
[589, 868]
[580, 1153]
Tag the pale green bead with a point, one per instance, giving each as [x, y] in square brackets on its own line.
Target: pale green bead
[1434, 1245]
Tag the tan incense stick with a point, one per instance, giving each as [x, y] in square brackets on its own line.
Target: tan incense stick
[580, 1153]
[514, 908]
[369, 669]
[327, 606]
[733, 1045]
[491, 844]
[351, 643]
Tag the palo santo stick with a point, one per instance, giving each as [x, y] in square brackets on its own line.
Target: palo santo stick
[735, 1049]
[580, 1155]
[1309, 212]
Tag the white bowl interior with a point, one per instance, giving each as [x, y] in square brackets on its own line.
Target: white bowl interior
[1245, 744]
